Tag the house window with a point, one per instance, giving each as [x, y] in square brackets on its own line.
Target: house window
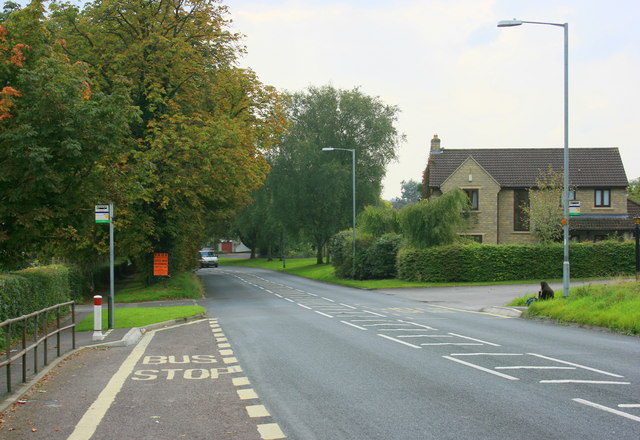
[476, 238]
[520, 208]
[472, 194]
[602, 198]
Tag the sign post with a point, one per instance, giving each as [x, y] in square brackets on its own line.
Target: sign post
[104, 214]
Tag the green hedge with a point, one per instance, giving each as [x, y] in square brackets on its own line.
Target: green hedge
[482, 262]
[32, 289]
[375, 257]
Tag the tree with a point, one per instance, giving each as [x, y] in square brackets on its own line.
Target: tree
[197, 149]
[313, 188]
[436, 221]
[545, 210]
[411, 193]
[58, 138]
[378, 220]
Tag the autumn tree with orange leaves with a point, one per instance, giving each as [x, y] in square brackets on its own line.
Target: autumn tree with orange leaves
[56, 135]
[204, 123]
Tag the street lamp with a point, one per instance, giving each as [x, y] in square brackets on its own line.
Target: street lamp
[636, 220]
[353, 175]
[565, 191]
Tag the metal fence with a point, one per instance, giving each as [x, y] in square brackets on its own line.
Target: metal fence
[35, 330]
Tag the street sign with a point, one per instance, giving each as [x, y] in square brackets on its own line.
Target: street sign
[102, 213]
[160, 264]
[574, 207]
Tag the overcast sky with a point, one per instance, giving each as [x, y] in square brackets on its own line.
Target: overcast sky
[452, 72]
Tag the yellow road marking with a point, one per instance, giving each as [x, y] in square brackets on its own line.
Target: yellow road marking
[89, 422]
[270, 431]
[247, 394]
[257, 411]
[240, 381]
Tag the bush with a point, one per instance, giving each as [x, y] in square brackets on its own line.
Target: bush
[375, 258]
[32, 289]
[481, 262]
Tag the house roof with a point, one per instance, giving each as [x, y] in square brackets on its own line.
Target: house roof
[521, 167]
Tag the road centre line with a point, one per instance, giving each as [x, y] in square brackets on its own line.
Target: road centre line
[403, 329]
[289, 299]
[473, 339]
[629, 405]
[304, 307]
[398, 341]
[347, 305]
[450, 343]
[419, 325]
[278, 295]
[323, 314]
[575, 365]
[607, 409]
[594, 382]
[478, 367]
[534, 367]
[353, 325]
[487, 354]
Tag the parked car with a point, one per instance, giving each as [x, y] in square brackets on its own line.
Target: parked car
[208, 258]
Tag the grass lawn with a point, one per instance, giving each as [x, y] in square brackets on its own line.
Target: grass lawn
[140, 316]
[614, 306]
[185, 285]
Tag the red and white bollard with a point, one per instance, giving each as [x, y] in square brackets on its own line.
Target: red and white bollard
[97, 318]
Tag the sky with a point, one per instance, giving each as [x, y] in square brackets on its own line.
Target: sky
[452, 72]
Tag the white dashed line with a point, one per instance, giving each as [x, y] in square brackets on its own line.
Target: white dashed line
[575, 365]
[398, 341]
[478, 367]
[607, 409]
[353, 325]
[473, 339]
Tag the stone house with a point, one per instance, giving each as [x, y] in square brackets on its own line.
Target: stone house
[498, 181]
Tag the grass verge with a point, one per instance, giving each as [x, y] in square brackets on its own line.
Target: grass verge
[613, 306]
[140, 316]
[185, 285]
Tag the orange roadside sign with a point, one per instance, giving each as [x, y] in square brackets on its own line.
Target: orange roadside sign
[160, 264]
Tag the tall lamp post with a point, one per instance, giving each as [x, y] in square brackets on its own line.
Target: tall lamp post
[636, 220]
[353, 175]
[565, 191]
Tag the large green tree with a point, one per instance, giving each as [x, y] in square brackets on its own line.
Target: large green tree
[59, 136]
[204, 122]
[313, 188]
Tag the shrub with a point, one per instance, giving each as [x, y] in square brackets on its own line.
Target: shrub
[375, 258]
[32, 289]
[514, 262]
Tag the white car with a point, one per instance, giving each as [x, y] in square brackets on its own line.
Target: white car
[208, 258]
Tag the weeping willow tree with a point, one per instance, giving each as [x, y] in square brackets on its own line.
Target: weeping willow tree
[436, 221]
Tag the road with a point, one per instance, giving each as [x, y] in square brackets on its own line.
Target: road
[332, 362]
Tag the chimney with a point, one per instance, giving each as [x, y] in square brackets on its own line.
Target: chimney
[435, 144]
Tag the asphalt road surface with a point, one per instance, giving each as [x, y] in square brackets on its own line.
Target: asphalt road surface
[332, 362]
